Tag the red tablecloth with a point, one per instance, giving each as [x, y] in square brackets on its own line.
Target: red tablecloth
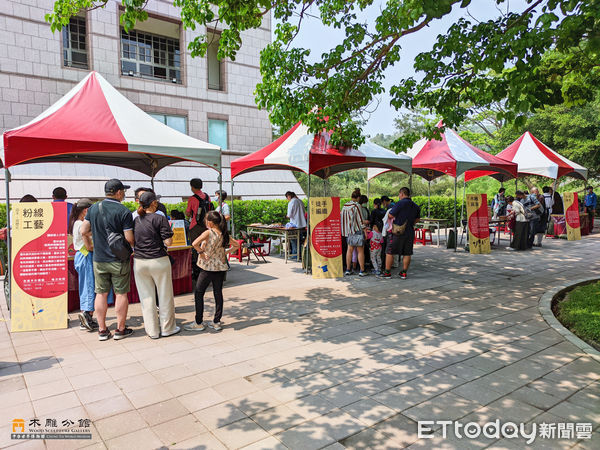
[181, 270]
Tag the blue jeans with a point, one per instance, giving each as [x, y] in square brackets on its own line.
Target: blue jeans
[294, 244]
[85, 270]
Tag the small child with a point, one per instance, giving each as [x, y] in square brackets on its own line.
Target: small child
[376, 240]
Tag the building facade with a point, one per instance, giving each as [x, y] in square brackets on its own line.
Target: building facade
[206, 98]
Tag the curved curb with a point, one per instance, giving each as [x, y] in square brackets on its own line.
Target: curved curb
[545, 307]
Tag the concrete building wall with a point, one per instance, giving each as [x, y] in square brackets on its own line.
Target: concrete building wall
[32, 77]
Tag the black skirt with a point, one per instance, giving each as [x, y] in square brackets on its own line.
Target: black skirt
[520, 236]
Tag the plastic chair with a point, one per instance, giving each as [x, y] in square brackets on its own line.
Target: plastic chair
[254, 247]
[241, 253]
[265, 241]
[425, 236]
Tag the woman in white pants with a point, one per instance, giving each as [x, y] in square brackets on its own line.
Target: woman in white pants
[152, 268]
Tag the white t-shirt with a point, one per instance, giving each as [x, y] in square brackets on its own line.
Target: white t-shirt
[295, 212]
[135, 214]
[225, 212]
[77, 237]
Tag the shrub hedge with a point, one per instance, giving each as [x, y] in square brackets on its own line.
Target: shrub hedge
[274, 211]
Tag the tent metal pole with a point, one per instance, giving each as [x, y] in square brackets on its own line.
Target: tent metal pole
[220, 190]
[428, 197]
[462, 207]
[8, 237]
[368, 188]
[410, 183]
[516, 185]
[307, 228]
[455, 229]
[232, 221]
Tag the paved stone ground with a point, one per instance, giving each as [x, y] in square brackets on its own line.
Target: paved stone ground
[306, 363]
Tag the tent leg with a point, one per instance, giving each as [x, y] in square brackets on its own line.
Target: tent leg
[232, 221]
[410, 183]
[8, 237]
[516, 185]
[455, 229]
[368, 187]
[307, 230]
[428, 197]
[220, 190]
[462, 207]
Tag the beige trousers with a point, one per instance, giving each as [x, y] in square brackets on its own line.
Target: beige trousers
[153, 275]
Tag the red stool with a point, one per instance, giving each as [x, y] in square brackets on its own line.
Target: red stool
[241, 253]
[425, 236]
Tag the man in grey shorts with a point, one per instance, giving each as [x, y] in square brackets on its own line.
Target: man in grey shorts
[109, 271]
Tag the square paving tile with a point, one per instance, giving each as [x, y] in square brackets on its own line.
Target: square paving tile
[177, 430]
[241, 433]
[163, 412]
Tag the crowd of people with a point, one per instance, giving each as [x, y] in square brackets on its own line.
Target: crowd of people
[529, 214]
[106, 234]
[379, 237]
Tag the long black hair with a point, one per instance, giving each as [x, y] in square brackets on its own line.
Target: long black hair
[75, 211]
[218, 219]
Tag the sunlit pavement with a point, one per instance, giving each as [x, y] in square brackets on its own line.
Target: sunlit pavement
[305, 363]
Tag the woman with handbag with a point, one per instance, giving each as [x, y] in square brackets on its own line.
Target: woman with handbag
[519, 224]
[152, 268]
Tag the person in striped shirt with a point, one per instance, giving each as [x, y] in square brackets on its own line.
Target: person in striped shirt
[353, 230]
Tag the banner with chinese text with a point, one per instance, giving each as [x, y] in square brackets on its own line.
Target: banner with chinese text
[326, 237]
[39, 284]
[571, 203]
[479, 223]
[179, 238]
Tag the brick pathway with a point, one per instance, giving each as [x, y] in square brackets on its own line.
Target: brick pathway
[306, 363]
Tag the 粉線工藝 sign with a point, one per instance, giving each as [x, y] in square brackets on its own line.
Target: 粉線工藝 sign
[571, 203]
[479, 223]
[326, 237]
[39, 274]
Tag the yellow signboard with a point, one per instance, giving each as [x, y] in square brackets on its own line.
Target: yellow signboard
[571, 203]
[479, 224]
[326, 237]
[179, 237]
[39, 274]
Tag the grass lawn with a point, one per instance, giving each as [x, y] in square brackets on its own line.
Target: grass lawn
[580, 312]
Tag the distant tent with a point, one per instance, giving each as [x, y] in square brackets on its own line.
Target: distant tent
[535, 158]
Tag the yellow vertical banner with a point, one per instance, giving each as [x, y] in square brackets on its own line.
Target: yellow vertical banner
[39, 284]
[479, 224]
[571, 203]
[326, 237]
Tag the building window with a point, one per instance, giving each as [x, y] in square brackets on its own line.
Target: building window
[217, 132]
[148, 55]
[178, 123]
[74, 45]
[215, 76]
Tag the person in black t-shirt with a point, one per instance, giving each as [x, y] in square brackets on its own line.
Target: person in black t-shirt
[152, 268]
[109, 271]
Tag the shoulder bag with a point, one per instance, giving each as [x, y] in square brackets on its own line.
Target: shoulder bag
[117, 243]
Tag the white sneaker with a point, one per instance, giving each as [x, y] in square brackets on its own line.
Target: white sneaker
[215, 326]
[171, 333]
[194, 327]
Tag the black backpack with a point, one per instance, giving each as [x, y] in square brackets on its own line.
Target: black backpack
[204, 206]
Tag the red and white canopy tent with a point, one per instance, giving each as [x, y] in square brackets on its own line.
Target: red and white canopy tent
[300, 150]
[311, 153]
[535, 158]
[94, 123]
[453, 156]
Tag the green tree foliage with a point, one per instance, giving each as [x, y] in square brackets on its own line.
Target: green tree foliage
[474, 63]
